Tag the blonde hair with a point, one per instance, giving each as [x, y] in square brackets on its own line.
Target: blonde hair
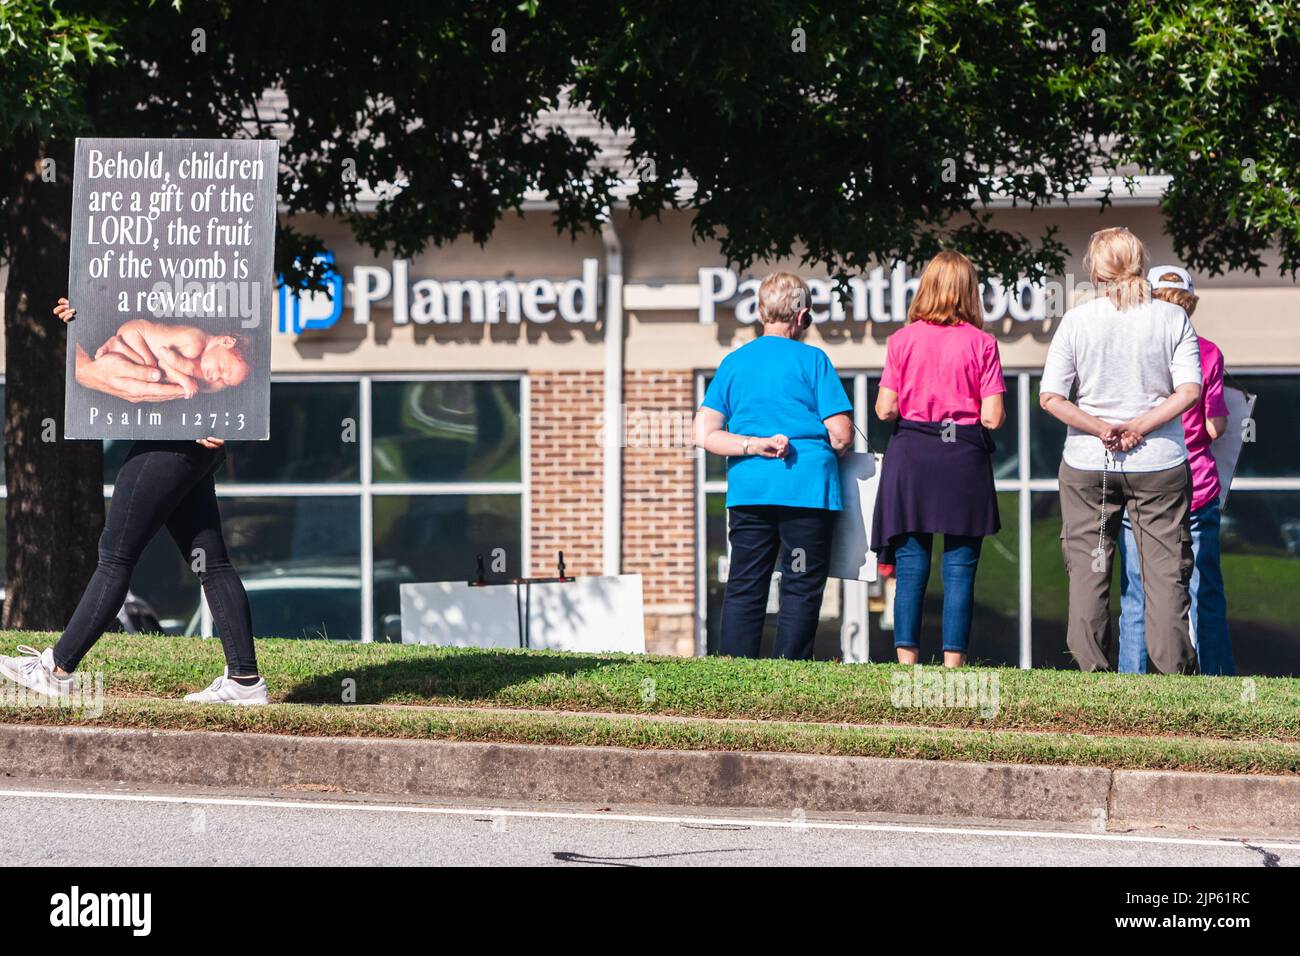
[1116, 262]
[780, 297]
[1180, 297]
[948, 293]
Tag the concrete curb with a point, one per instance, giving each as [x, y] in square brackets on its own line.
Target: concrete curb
[1207, 801]
[1093, 796]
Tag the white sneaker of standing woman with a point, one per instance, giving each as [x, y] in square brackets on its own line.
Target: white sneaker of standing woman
[35, 670]
[223, 690]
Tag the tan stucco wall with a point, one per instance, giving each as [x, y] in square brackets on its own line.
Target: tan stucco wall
[1254, 318]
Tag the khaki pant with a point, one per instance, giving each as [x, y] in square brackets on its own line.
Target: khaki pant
[1158, 504]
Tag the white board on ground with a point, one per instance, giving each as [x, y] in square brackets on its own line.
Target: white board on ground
[851, 556]
[587, 614]
[1227, 448]
[453, 614]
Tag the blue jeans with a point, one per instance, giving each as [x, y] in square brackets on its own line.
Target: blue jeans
[1209, 614]
[758, 534]
[961, 556]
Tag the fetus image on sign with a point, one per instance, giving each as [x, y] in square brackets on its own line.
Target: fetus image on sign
[184, 359]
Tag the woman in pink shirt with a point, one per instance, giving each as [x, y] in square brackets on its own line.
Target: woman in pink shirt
[942, 388]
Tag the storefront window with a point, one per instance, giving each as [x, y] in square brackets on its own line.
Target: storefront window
[1272, 453]
[301, 552]
[995, 637]
[715, 466]
[1260, 538]
[446, 431]
[1046, 437]
[315, 429]
[300, 560]
[438, 538]
[715, 563]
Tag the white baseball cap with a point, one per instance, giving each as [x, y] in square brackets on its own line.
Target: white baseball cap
[1184, 280]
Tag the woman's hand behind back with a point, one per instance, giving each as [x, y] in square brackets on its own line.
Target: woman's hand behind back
[774, 446]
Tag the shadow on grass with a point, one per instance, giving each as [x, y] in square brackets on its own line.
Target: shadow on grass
[462, 677]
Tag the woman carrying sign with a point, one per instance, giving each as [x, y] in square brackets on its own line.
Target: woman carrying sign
[162, 483]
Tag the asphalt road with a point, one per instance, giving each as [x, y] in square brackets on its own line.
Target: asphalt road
[186, 826]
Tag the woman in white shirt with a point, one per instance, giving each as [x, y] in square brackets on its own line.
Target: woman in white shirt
[1135, 366]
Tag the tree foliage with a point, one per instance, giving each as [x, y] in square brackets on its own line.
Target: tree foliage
[844, 133]
[44, 52]
[1208, 92]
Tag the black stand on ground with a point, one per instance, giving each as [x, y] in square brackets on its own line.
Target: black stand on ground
[523, 597]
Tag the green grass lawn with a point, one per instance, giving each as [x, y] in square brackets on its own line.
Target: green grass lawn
[321, 672]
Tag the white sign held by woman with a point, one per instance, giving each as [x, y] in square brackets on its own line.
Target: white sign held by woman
[1227, 450]
[851, 556]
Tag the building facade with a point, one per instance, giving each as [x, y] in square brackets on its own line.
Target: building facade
[534, 396]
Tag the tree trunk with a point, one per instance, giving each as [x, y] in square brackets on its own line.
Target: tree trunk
[55, 509]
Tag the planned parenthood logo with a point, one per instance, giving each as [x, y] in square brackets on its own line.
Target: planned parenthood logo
[310, 310]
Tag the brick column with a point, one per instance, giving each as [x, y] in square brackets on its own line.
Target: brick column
[659, 504]
[565, 470]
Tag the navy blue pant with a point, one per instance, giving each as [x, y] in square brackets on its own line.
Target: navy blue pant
[801, 537]
[164, 484]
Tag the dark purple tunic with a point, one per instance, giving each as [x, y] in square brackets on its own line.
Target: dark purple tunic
[929, 485]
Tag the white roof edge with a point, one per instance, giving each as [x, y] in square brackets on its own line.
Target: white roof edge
[1145, 191]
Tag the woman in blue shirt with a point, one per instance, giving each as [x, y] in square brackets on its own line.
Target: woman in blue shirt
[777, 410]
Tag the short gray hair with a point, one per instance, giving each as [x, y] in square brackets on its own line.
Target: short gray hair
[780, 297]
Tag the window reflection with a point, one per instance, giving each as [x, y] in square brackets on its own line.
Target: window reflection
[300, 559]
[316, 428]
[1046, 437]
[1272, 454]
[1260, 539]
[446, 431]
[437, 538]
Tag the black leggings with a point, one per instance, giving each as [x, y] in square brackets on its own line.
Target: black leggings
[171, 483]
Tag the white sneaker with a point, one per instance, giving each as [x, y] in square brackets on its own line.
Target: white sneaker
[223, 690]
[35, 670]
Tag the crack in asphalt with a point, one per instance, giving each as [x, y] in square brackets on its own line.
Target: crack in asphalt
[1270, 859]
[564, 856]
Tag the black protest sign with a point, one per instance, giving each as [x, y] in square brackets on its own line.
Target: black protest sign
[171, 273]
